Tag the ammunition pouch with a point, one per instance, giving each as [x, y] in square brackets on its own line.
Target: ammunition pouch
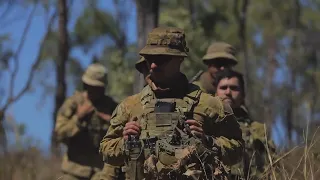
[167, 148]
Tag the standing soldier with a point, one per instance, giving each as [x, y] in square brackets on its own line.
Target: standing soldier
[82, 121]
[109, 172]
[171, 129]
[230, 88]
[219, 55]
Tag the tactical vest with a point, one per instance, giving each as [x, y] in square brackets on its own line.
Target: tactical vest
[162, 148]
[97, 127]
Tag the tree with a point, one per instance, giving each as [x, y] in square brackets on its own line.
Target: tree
[147, 18]
[60, 63]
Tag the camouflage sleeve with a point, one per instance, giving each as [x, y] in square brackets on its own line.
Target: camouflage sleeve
[112, 143]
[223, 131]
[258, 132]
[228, 138]
[67, 121]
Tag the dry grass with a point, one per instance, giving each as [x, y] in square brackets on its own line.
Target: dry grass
[298, 163]
[28, 164]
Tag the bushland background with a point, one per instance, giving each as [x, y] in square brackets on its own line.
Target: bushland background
[45, 45]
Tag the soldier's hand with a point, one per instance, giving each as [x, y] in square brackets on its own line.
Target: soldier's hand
[104, 116]
[195, 127]
[85, 108]
[131, 128]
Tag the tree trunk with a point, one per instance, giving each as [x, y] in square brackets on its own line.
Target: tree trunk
[147, 18]
[3, 138]
[60, 68]
[269, 86]
[293, 56]
[243, 42]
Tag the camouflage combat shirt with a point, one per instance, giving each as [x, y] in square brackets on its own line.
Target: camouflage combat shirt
[255, 159]
[217, 119]
[205, 82]
[82, 138]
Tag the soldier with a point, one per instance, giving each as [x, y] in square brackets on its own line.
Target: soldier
[171, 129]
[230, 88]
[110, 172]
[219, 55]
[82, 121]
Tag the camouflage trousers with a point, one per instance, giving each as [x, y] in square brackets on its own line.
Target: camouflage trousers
[111, 173]
[66, 176]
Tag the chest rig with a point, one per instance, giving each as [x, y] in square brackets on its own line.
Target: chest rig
[97, 128]
[164, 134]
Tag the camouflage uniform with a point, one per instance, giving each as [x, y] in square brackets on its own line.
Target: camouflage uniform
[109, 172]
[82, 136]
[255, 159]
[156, 158]
[219, 51]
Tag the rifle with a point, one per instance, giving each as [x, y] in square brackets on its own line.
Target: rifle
[194, 78]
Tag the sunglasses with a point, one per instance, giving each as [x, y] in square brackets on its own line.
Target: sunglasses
[158, 60]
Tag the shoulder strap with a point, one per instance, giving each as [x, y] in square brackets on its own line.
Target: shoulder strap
[193, 96]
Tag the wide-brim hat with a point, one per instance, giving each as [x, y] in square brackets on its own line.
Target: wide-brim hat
[166, 41]
[95, 75]
[220, 51]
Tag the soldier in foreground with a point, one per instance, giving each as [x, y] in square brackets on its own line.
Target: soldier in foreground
[82, 121]
[220, 55]
[111, 172]
[230, 88]
[171, 129]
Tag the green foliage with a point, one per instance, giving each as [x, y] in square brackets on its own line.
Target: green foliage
[93, 25]
[283, 71]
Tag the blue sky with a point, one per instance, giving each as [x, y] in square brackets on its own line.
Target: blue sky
[32, 109]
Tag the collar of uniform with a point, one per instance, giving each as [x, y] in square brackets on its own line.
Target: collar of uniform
[207, 83]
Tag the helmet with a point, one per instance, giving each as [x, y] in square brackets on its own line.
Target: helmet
[220, 51]
[166, 41]
[95, 75]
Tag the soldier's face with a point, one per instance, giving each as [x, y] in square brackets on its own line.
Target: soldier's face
[94, 93]
[230, 91]
[163, 68]
[216, 66]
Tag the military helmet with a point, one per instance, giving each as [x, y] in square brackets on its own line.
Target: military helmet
[95, 75]
[220, 51]
[166, 41]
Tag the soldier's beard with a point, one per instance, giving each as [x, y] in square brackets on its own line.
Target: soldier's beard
[172, 83]
[164, 82]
